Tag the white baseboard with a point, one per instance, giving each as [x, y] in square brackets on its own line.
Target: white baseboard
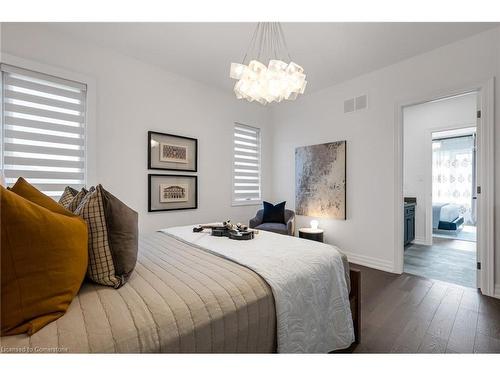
[497, 291]
[370, 262]
[419, 241]
[422, 241]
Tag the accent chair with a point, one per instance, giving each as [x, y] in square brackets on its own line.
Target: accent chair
[281, 228]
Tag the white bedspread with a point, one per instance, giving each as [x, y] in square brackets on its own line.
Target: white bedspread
[307, 280]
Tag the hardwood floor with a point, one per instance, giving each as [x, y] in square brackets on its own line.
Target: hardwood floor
[410, 314]
[447, 260]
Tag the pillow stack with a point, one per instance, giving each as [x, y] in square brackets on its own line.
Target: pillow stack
[113, 237]
[113, 234]
[44, 259]
[48, 247]
[72, 198]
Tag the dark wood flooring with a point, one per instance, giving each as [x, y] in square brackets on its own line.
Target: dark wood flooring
[410, 314]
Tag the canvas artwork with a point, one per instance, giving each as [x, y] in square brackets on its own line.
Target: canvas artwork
[173, 153]
[320, 180]
[173, 193]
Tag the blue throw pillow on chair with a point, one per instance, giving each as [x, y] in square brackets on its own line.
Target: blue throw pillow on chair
[274, 213]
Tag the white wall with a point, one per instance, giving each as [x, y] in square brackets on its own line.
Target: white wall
[368, 233]
[134, 97]
[419, 121]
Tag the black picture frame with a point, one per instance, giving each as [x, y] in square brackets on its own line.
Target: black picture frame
[150, 177]
[195, 140]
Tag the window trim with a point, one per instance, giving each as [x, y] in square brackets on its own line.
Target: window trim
[254, 202]
[90, 113]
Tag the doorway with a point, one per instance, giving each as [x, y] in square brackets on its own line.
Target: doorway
[439, 186]
[485, 179]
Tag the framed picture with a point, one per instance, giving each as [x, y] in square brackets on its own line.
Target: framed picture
[172, 192]
[172, 152]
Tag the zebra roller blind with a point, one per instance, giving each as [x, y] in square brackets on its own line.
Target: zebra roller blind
[43, 130]
[246, 167]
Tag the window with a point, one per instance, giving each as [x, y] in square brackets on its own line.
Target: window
[246, 167]
[42, 130]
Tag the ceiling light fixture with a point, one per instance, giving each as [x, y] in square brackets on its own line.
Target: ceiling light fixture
[272, 83]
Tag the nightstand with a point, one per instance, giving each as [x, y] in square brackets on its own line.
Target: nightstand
[311, 234]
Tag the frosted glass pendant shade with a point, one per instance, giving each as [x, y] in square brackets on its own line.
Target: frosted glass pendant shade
[294, 68]
[266, 84]
[276, 65]
[236, 70]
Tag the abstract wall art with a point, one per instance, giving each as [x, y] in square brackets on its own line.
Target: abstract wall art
[320, 180]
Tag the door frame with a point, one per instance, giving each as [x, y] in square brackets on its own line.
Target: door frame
[485, 178]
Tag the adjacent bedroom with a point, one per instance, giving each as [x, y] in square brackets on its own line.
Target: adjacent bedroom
[249, 187]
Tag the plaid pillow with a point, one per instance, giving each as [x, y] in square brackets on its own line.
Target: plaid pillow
[67, 196]
[113, 237]
[77, 199]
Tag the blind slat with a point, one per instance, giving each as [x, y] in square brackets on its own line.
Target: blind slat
[54, 187]
[244, 179]
[248, 151]
[10, 81]
[9, 94]
[43, 150]
[43, 137]
[43, 174]
[246, 129]
[16, 108]
[13, 160]
[247, 164]
[245, 144]
[44, 125]
[245, 170]
[246, 158]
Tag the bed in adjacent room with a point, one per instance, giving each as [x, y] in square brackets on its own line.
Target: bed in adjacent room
[446, 216]
[192, 292]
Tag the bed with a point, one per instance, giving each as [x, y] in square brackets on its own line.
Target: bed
[184, 297]
[446, 216]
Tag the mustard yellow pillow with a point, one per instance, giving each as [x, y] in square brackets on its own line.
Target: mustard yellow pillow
[28, 191]
[44, 260]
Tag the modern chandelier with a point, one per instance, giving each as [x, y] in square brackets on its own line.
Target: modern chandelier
[272, 83]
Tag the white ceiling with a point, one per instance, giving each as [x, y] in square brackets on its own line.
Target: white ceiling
[329, 52]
